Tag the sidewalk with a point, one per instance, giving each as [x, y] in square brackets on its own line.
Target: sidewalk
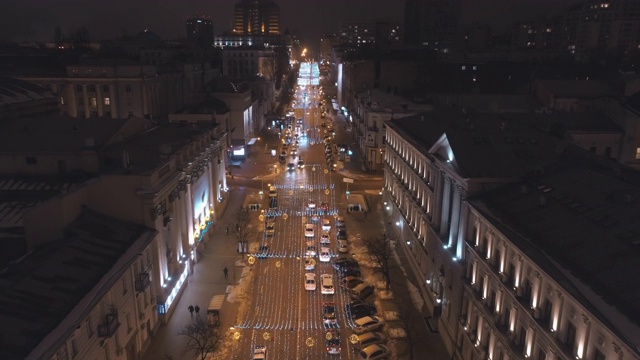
[207, 280]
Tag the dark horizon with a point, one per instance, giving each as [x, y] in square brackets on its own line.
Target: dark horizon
[36, 19]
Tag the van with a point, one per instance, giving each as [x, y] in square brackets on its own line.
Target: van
[326, 283]
[361, 292]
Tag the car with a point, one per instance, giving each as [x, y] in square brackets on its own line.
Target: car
[369, 338]
[326, 225]
[341, 235]
[308, 230]
[374, 352]
[310, 281]
[273, 193]
[260, 352]
[282, 159]
[343, 246]
[357, 311]
[291, 166]
[301, 164]
[340, 223]
[270, 230]
[349, 271]
[324, 206]
[325, 254]
[332, 338]
[283, 153]
[361, 292]
[311, 204]
[326, 283]
[273, 203]
[343, 263]
[329, 313]
[325, 239]
[311, 250]
[263, 252]
[309, 264]
[349, 282]
[367, 324]
[294, 152]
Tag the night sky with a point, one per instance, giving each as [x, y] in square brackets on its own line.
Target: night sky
[36, 19]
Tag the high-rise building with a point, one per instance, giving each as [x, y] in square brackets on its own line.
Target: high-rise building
[592, 26]
[200, 31]
[256, 17]
[432, 23]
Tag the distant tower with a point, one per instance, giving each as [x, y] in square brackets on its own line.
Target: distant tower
[200, 31]
[432, 23]
[256, 17]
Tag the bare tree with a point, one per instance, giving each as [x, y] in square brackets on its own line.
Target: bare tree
[241, 229]
[380, 251]
[201, 337]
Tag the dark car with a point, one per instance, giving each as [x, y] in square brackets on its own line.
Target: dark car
[349, 282]
[291, 167]
[273, 203]
[282, 159]
[263, 252]
[342, 235]
[349, 271]
[361, 292]
[360, 310]
[342, 263]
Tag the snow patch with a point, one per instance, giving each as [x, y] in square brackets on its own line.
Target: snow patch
[397, 333]
[391, 315]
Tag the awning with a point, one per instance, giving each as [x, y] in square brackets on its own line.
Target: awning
[252, 141]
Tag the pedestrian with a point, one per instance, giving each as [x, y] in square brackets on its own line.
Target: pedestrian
[226, 272]
[197, 308]
[191, 310]
[227, 230]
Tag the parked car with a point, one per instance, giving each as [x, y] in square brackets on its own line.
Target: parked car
[350, 271]
[367, 324]
[374, 352]
[360, 310]
[341, 235]
[361, 291]
[370, 338]
[349, 282]
[342, 263]
[343, 246]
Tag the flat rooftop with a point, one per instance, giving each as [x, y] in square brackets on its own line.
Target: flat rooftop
[484, 145]
[579, 222]
[40, 291]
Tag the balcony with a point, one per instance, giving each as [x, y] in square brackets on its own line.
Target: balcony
[110, 324]
[143, 282]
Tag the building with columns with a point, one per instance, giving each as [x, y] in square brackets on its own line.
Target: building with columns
[434, 162]
[516, 238]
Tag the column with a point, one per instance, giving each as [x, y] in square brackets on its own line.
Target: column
[114, 103]
[85, 101]
[445, 208]
[462, 234]
[99, 99]
[455, 215]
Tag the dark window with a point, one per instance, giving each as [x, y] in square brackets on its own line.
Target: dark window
[570, 341]
[592, 149]
[127, 88]
[78, 88]
[91, 88]
[31, 160]
[598, 355]
[105, 88]
[607, 151]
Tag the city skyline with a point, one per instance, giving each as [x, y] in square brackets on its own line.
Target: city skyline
[36, 20]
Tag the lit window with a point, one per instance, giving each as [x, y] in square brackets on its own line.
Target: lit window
[638, 153]
[61, 100]
[107, 101]
[93, 101]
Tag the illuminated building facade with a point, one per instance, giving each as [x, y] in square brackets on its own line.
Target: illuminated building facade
[256, 17]
[517, 260]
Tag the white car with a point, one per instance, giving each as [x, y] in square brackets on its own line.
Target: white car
[325, 255]
[308, 230]
[260, 352]
[270, 230]
[326, 283]
[309, 264]
[311, 251]
[326, 225]
[368, 323]
[310, 281]
[374, 352]
[343, 246]
[325, 239]
[311, 204]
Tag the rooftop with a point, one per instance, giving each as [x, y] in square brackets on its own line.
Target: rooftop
[582, 215]
[39, 293]
[151, 149]
[56, 134]
[17, 91]
[484, 145]
[576, 88]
